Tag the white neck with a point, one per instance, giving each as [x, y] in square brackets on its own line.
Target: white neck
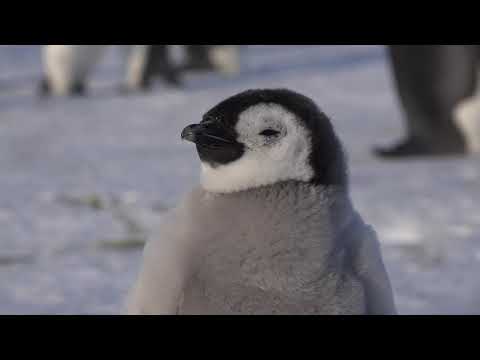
[254, 170]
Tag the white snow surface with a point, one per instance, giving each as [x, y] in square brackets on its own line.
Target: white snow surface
[52, 261]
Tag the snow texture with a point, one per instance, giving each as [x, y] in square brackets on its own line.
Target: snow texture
[85, 180]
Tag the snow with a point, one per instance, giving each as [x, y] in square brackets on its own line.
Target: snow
[77, 172]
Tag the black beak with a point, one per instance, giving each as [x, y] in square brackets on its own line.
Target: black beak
[216, 143]
[207, 134]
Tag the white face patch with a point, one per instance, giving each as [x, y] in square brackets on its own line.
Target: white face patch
[267, 159]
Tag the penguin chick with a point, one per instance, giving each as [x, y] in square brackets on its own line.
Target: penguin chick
[271, 229]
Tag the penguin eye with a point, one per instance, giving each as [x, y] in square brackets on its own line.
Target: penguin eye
[269, 132]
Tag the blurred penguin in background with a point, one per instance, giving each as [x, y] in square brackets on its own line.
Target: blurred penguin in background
[197, 58]
[221, 58]
[432, 81]
[68, 68]
[146, 65]
[158, 63]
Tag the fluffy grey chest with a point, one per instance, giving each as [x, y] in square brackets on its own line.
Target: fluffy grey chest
[264, 262]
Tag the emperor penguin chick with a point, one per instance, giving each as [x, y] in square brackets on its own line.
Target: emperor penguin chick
[271, 229]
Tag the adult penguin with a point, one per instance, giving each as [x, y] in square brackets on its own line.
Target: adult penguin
[431, 81]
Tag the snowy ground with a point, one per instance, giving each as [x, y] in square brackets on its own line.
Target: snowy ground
[65, 249]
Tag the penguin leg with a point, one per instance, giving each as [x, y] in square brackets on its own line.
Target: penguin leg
[431, 80]
[44, 88]
[198, 58]
[78, 89]
[159, 64]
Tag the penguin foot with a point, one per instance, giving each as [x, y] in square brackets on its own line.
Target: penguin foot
[78, 89]
[172, 78]
[145, 85]
[43, 88]
[123, 89]
[167, 73]
[412, 147]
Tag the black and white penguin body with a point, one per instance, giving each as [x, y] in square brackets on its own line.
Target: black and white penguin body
[67, 67]
[222, 58]
[467, 118]
[150, 63]
[226, 59]
[271, 229]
